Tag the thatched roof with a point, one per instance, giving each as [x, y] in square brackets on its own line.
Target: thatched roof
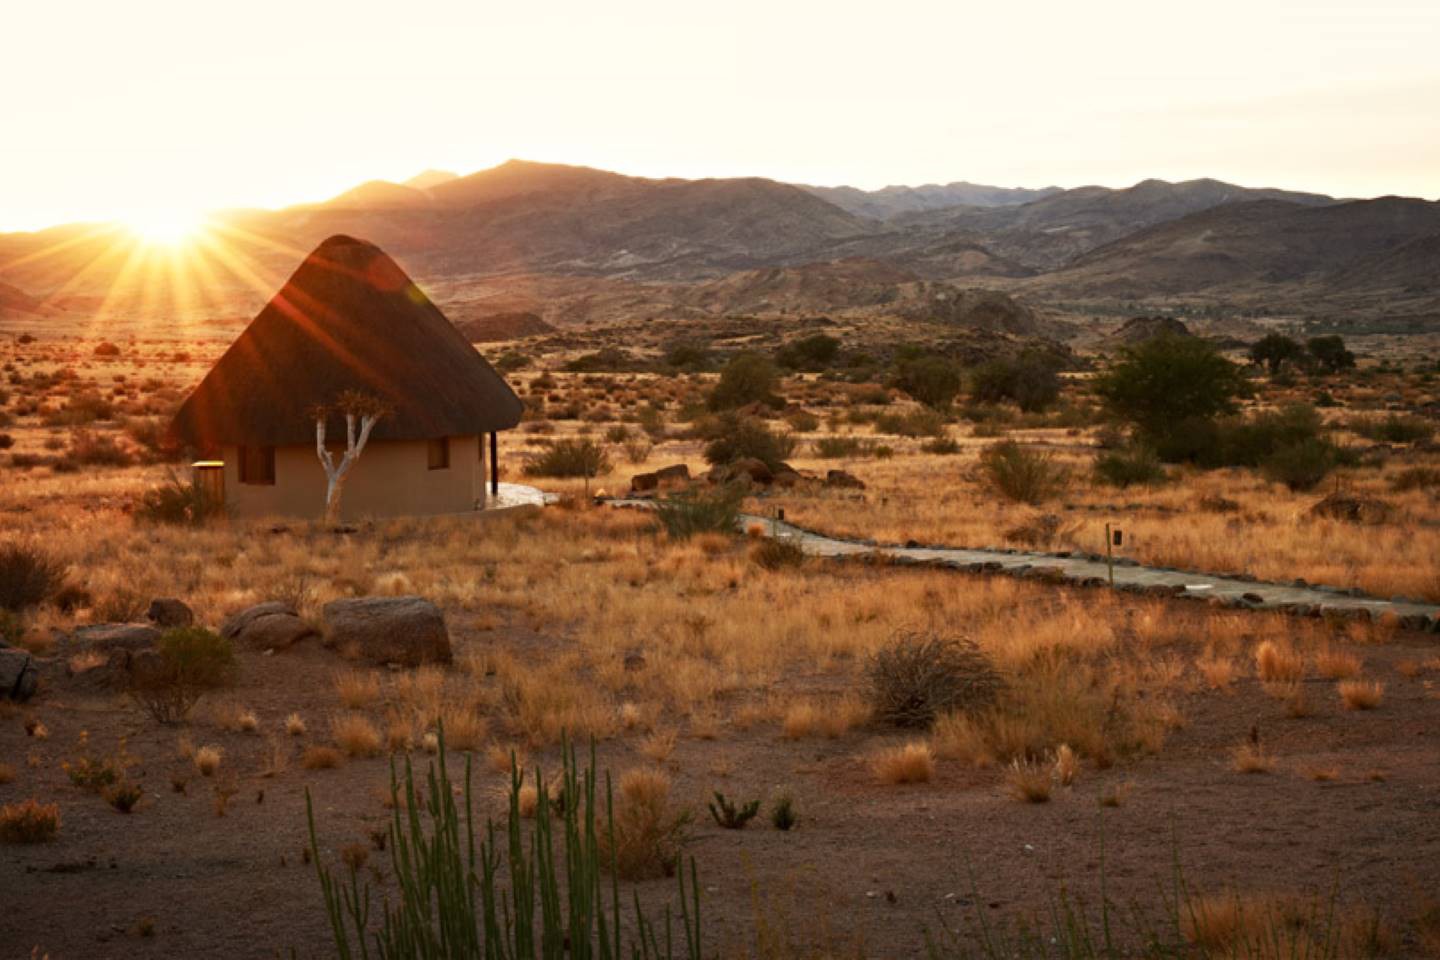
[348, 319]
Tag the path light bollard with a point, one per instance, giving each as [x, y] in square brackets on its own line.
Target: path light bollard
[1113, 539]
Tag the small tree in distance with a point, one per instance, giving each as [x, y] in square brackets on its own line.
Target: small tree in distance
[1330, 353]
[1275, 350]
[352, 405]
[1169, 384]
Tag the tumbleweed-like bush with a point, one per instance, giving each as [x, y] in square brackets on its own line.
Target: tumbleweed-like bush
[918, 676]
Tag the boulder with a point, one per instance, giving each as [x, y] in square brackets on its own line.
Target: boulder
[169, 612]
[404, 630]
[268, 626]
[674, 474]
[117, 636]
[644, 483]
[840, 478]
[18, 674]
[787, 476]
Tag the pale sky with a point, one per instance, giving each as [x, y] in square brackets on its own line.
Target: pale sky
[122, 110]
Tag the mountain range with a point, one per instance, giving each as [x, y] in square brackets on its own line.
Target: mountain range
[503, 237]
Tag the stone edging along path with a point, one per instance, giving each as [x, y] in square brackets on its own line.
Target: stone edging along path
[1090, 570]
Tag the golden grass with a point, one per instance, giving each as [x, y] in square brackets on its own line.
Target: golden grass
[465, 729]
[645, 842]
[1252, 758]
[1029, 782]
[1360, 694]
[1067, 765]
[958, 737]
[29, 821]
[1218, 672]
[356, 735]
[321, 757]
[1277, 662]
[906, 763]
[658, 746]
[1335, 664]
[207, 760]
[829, 719]
[295, 725]
[357, 689]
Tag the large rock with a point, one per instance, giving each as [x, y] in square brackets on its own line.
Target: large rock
[169, 612]
[675, 475]
[18, 675]
[840, 478]
[404, 630]
[117, 636]
[268, 626]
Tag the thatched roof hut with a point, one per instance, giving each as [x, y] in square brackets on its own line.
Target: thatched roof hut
[349, 321]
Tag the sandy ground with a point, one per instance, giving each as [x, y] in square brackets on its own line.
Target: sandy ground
[870, 867]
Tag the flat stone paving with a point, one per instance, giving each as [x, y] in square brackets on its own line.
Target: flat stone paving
[1075, 569]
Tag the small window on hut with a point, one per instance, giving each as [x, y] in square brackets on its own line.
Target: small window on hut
[257, 465]
[440, 454]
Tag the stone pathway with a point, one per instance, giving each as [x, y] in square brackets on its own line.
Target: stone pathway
[1073, 568]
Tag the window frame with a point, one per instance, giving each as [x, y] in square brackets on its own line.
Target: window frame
[437, 453]
[245, 465]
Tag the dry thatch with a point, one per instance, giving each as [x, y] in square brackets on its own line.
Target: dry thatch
[349, 319]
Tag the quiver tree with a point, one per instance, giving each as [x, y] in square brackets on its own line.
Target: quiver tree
[353, 406]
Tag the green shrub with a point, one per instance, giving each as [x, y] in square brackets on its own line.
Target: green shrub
[1128, 466]
[1302, 465]
[548, 899]
[179, 502]
[916, 423]
[1393, 428]
[815, 352]
[944, 446]
[748, 378]
[933, 381]
[1019, 473]
[1030, 380]
[803, 421]
[97, 449]
[1167, 384]
[735, 438]
[729, 816]
[1275, 350]
[693, 511]
[782, 813]
[188, 663]
[27, 577]
[569, 458]
[1330, 353]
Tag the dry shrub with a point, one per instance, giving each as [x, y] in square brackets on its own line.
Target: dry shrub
[1278, 662]
[295, 725]
[357, 688]
[27, 577]
[1028, 782]
[1067, 765]
[356, 735]
[548, 701]
[1020, 473]
[1361, 694]
[188, 662]
[906, 763]
[1268, 924]
[1251, 757]
[207, 760]
[1337, 664]
[29, 821]
[658, 746]
[648, 831]
[1219, 672]
[321, 758]
[465, 729]
[919, 676]
[776, 554]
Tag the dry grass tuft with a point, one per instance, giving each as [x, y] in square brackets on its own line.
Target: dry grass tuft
[1336, 664]
[658, 746]
[1028, 782]
[648, 831]
[959, 737]
[1251, 757]
[1067, 765]
[29, 821]
[907, 763]
[830, 719]
[295, 725]
[465, 729]
[1277, 662]
[321, 758]
[1323, 774]
[356, 735]
[207, 760]
[1361, 694]
[357, 688]
[1219, 672]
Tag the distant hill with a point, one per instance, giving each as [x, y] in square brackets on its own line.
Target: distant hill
[1264, 242]
[16, 303]
[889, 202]
[430, 178]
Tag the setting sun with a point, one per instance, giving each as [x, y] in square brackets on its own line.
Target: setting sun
[165, 227]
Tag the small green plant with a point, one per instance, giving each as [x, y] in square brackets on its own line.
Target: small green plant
[455, 902]
[728, 816]
[188, 662]
[179, 502]
[689, 512]
[124, 795]
[782, 813]
[570, 458]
